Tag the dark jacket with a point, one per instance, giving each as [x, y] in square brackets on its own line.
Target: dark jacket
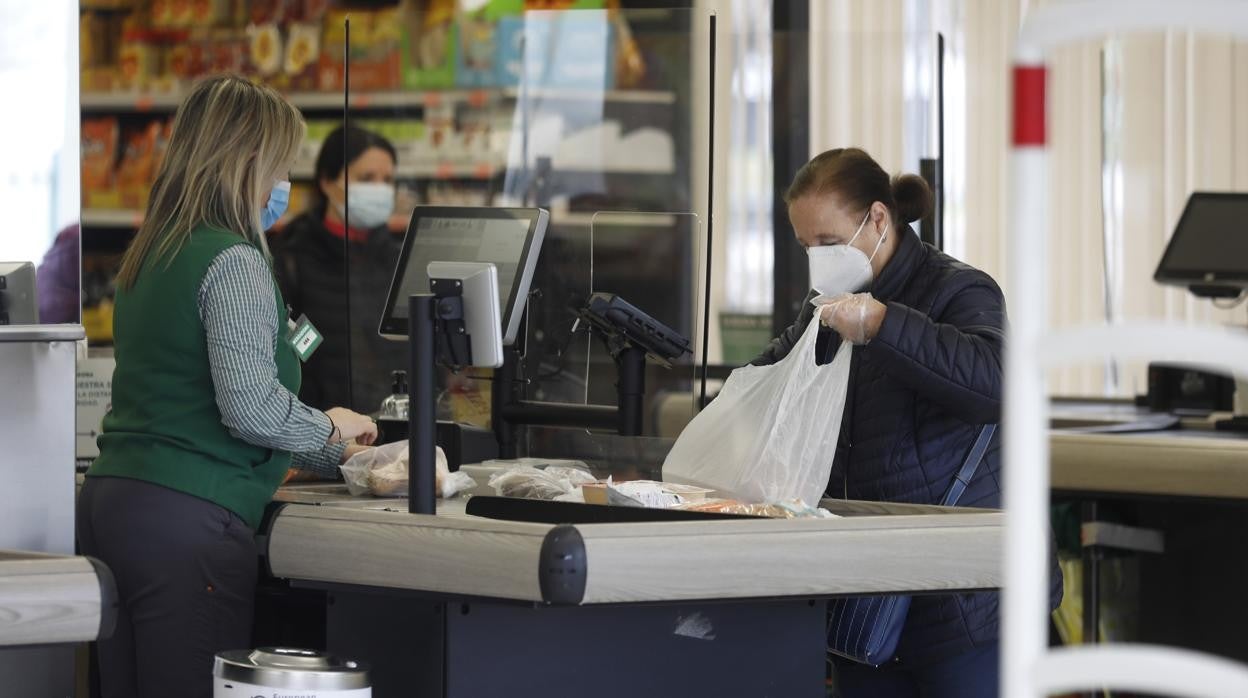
[918, 395]
[311, 269]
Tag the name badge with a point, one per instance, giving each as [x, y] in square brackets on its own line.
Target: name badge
[303, 337]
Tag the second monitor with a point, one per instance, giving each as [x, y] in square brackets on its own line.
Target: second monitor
[508, 238]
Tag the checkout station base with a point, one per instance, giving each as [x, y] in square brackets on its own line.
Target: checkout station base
[460, 605]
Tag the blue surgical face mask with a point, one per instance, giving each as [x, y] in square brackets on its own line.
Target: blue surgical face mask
[371, 204]
[279, 198]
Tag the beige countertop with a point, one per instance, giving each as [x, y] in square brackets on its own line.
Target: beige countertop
[50, 599]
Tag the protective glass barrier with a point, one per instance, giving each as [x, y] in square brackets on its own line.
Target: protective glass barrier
[39, 178]
[571, 111]
[610, 132]
[652, 267]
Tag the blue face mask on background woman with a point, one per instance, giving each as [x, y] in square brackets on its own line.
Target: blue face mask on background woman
[279, 198]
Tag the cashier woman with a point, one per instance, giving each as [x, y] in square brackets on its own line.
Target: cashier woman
[204, 421]
[925, 375]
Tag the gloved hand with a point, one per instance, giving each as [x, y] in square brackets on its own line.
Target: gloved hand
[854, 316]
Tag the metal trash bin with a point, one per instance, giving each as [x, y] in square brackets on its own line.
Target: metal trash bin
[280, 671]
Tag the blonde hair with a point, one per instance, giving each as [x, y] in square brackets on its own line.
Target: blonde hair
[232, 140]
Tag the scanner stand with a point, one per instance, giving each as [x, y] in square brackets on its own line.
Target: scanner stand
[436, 334]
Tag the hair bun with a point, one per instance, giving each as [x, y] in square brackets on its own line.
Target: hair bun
[913, 197]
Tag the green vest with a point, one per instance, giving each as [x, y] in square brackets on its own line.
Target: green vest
[164, 426]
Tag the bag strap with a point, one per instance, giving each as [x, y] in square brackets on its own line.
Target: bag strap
[969, 466]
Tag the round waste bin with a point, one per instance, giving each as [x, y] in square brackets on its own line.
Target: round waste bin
[285, 672]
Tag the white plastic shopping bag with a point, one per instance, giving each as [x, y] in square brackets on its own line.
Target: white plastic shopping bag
[771, 434]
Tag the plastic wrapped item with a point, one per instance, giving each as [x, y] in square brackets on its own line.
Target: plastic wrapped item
[647, 493]
[527, 482]
[639, 493]
[771, 434]
[846, 313]
[382, 472]
[792, 509]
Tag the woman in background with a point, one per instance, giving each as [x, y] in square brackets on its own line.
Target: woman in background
[312, 270]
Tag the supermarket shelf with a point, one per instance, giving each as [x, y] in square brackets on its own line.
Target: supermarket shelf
[613, 96]
[615, 218]
[111, 217]
[133, 101]
[430, 170]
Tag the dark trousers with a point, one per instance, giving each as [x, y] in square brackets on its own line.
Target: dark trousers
[186, 574]
[974, 674]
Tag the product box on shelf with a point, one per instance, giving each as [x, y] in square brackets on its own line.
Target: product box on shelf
[144, 145]
[429, 38]
[375, 51]
[99, 156]
[573, 50]
[265, 51]
[476, 51]
[303, 49]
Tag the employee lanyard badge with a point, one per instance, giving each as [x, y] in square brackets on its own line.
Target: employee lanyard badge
[302, 336]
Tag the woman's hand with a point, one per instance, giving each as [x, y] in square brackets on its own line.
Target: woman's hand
[351, 450]
[855, 316]
[350, 426]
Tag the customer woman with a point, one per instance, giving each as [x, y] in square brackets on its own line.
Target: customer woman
[313, 269]
[204, 420]
[925, 376]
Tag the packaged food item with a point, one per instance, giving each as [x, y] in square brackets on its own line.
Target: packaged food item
[303, 49]
[139, 59]
[794, 509]
[162, 146]
[137, 168]
[228, 52]
[183, 12]
[99, 156]
[429, 37]
[528, 482]
[265, 49]
[558, 50]
[382, 472]
[646, 492]
[476, 54]
[206, 13]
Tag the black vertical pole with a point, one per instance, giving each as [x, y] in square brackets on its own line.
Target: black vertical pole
[631, 388]
[421, 443]
[346, 207]
[710, 227]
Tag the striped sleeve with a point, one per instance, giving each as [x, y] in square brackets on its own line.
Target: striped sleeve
[322, 464]
[242, 323]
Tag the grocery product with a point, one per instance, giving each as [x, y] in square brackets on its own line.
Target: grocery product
[265, 51]
[428, 44]
[99, 154]
[303, 46]
[138, 160]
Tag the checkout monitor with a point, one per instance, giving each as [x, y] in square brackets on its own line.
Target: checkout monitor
[1209, 248]
[510, 238]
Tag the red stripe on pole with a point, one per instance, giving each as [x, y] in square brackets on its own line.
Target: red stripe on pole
[1029, 106]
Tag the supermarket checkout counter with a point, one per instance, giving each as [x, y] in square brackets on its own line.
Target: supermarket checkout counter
[1149, 483]
[1186, 458]
[54, 599]
[462, 605]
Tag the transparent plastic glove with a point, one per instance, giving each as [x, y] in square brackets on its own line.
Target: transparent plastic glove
[854, 316]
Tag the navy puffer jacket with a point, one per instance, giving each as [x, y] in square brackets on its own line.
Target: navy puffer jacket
[918, 395]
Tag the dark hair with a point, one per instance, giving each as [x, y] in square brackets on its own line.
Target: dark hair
[331, 161]
[858, 180]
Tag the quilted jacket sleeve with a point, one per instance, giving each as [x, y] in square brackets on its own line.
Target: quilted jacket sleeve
[782, 345]
[954, 360]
